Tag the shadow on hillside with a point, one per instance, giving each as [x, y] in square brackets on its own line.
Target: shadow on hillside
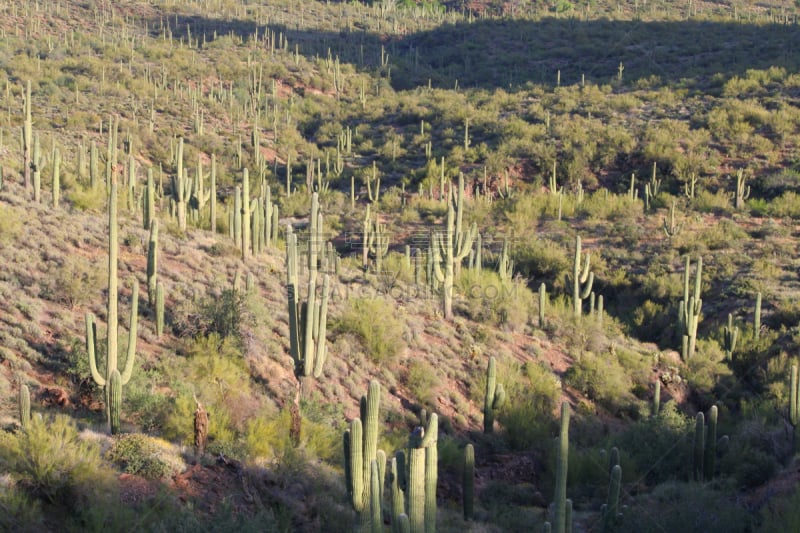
[508, 53]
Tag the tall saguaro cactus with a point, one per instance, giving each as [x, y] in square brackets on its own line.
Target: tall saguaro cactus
[794, 405]
[689, 308]
[27, 138]
[582, 280]
[560, 498]
[454, 252]
[494, 398]
[113, 381]
[180, 188]
[360, 453]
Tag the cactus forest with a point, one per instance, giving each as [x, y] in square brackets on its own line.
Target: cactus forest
[399, 266]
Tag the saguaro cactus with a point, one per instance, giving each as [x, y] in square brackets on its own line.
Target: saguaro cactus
[27, 138]
[582, 280]
[468, 490]
[710, 451]
[729, 336]
[360, 453]
[152, 262]
[494, 398]
[560, 498]
[24, 406]
[794, 405]
[454, 252]
[699, 447]
[689, 308]
[757, 318]
[610, 511]
[742, 192]
[113, 381]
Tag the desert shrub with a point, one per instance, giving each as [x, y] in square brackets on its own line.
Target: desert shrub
[76, 281]
[785, 205]
[755, 452]
[18, 511]
[421, 381]
[601, 378]
[216, 374]
[719, 203]
[532, 394]
[53, 463]
[142, 455]
[493, 301]
[781, 514]
[660, 446]
[222, 313]
[684, 507]
[542, 260]
[88, 198]
[377, 325]
[10, 224]
[603, 205]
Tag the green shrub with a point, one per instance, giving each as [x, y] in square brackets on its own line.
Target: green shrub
[142, 455]
[10, 224]
[532, 392]
[87, 198]
[659, 447]
[421, 380]
[781, 514]
[18, 511]
[52, 462]
[684, 507]
[601, 378]
[376, 323]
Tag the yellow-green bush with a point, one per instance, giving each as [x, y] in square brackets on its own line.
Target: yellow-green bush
[52, 462]
[375, 322]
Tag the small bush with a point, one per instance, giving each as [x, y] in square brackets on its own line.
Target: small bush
[375, 322]
[87, 198]
[601, 378]
[142, 455]
[421, 381]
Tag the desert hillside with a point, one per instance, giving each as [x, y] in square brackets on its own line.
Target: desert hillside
[407, 266]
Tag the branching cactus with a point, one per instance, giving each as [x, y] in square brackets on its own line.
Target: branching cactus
[421, 477]
[689, 308]
[611, 514]
[113, 381]
[505, 267]
[729, 335]
[180, 192]
[360, 453]
[56, 182]
[445, 251]
[307, 328]
[582, 280]
[742, 192]
[494, 398]
[671, 227]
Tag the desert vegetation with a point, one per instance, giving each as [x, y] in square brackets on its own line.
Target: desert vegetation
[407, 266]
